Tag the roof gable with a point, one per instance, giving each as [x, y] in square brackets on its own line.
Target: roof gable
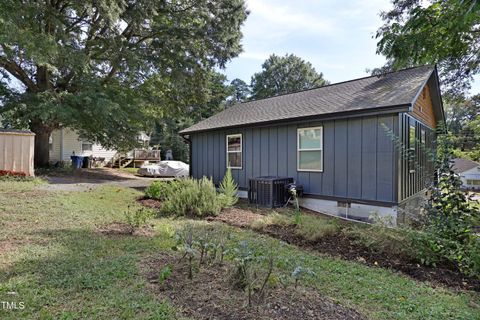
[366, 94]
[462, 165]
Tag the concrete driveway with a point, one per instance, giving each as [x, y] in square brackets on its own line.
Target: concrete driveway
[85, 179]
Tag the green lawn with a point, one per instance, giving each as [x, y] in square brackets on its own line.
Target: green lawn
[62, 269]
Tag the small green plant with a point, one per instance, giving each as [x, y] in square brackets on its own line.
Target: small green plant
[228, 189]
[185, 242]
[300, 273]
[297, 217]
[138, 218]
[165, 273]
[250, 273]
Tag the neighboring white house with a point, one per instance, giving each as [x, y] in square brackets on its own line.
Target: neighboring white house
[469, 172]
[66, 142]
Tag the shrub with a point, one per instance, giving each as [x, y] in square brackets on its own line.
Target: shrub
[11, 174]
[228, 189]
[157, 190]
[451, 217]
[191, 197]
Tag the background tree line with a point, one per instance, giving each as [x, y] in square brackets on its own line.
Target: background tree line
[279, 75]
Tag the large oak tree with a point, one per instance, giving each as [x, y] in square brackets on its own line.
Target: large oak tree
[105, 67]
[285, 74]
[446, 32]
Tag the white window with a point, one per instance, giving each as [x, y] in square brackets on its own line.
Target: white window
[423, 136]
[86, 146]
[310, 149]
[473, 182]
[412, 136]
[234, 151]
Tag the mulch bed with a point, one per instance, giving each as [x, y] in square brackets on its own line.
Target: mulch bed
[338, 245]
[237, 217]
[209, 295]
[149, 203]
[122, 229]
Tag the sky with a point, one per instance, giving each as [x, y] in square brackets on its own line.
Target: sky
[337, 37]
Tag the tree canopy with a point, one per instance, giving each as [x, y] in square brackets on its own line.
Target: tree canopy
[285, 74]
[104, 67]
[463, 122]
[240, 91]
[445, 32]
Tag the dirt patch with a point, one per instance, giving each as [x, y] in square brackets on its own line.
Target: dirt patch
[150, 203]
[7, 246]
[338, 245]
[209, 295]
[237, 217]
[121, 228]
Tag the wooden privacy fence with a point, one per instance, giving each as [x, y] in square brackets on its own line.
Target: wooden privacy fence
[16, 151]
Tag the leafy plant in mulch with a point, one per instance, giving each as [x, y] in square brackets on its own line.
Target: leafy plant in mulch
[252, 270]
[165, 273]
[228, 190]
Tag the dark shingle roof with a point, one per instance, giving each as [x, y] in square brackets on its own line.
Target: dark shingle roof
[461, 165]
[392, 89]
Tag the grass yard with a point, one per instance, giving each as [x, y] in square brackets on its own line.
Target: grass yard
[54, 260]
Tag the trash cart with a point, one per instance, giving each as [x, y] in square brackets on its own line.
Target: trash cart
[77, 162]
[86, 162]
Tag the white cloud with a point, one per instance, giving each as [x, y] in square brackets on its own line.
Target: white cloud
[284, 19]
[335, 36]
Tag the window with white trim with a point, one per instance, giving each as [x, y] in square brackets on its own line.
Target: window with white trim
[86, 146]
[234, 151]
[473, 182]
[310, 149]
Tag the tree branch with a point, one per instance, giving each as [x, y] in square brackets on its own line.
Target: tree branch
[17, 71]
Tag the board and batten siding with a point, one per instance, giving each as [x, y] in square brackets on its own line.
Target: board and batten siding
[358, 157]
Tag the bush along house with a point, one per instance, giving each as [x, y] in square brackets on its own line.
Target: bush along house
[358, 148]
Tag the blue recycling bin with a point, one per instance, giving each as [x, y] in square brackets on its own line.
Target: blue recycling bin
[77, 161]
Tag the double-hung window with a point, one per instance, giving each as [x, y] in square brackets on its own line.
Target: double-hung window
[234, 151]
[310, 149]
[87, 146]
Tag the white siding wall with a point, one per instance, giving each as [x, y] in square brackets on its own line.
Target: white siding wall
[100, 152]
[55, 146]
[472, 174]
[72, 143]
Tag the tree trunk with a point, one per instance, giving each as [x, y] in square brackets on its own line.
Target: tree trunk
[42, 151]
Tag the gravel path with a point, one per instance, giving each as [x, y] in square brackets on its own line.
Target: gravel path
[86, 179]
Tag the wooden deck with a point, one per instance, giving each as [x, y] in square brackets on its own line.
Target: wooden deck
[135, 157]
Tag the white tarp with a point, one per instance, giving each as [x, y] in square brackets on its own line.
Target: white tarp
[165, 169]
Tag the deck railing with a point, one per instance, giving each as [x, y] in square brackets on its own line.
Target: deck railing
[143, 154]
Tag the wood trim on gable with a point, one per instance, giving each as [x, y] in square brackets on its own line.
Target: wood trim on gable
[423, 108]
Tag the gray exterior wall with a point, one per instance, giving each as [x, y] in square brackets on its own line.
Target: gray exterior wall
[359, 157]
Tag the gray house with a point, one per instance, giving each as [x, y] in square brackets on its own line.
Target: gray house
[357, 147]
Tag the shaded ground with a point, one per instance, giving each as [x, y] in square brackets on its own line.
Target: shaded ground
[87, 179]
[121, 228]
[209, 295]
[341, 246]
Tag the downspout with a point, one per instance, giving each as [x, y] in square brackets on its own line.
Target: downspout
[189, 142]
[61, 145]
